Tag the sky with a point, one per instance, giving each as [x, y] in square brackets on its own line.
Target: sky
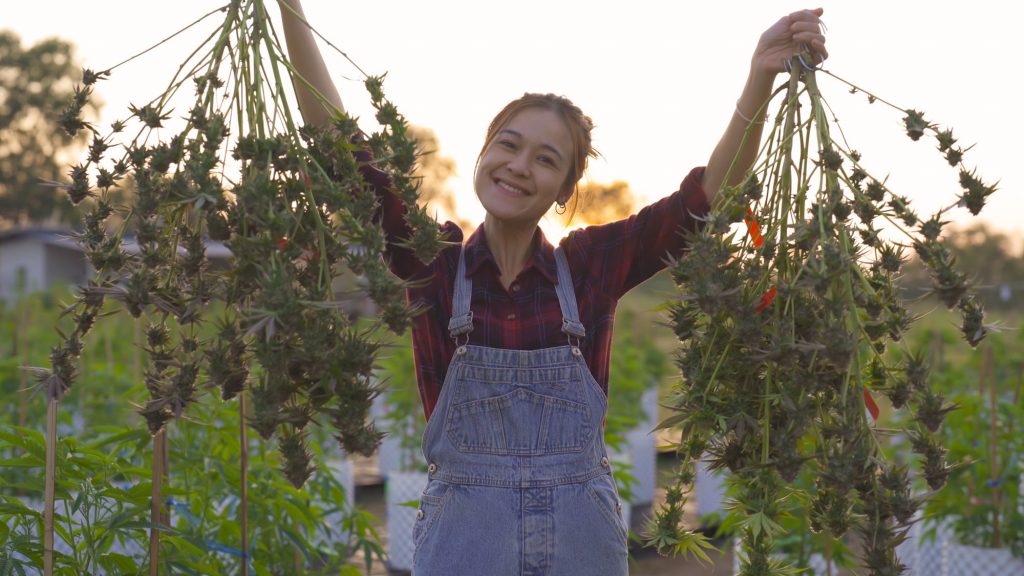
[659, 78]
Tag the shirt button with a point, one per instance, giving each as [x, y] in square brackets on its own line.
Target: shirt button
[432, 468]
[511, 316]
[419, 514]
[604, 462]
[618, 506]
[515, 287]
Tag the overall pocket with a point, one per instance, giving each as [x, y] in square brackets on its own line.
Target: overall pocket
[520, 423]
[507, 411]
[606, 498]
[432, 503]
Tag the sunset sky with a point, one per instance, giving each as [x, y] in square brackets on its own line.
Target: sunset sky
[659, 78]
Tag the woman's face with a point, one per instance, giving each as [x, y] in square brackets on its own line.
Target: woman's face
[524, 169]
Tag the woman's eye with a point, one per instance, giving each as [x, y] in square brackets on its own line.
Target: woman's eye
[546, 160]
[507, 144]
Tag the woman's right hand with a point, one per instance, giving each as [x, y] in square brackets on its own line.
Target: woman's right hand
[317, 95]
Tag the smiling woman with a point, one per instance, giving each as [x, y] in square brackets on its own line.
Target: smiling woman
[513, 347]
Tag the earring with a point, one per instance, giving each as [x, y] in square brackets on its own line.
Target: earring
[559, 207]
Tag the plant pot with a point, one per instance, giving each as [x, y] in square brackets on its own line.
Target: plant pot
[920, 554]
[329, 530]
[402, 487]
[709, 489]
[817, 565]
[640, 443]
[389, 455]
[961, 560]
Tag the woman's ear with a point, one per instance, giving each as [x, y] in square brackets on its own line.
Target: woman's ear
[566, 195]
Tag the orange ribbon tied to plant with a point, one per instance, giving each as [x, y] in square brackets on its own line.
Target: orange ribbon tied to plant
[870, 404]
[753, 228]
[767, 299]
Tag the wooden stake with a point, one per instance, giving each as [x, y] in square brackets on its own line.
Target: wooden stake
[244, 503]
[156, 516]
[50, 482]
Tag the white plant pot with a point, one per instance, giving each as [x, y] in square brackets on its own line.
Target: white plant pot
[402, 487]
[961, 560]
[389, 455]
[816, 564]
[640, 443]
[709, 488]
[923, 556]
[330, 526]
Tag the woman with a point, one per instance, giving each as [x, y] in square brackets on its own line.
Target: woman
[512, 354]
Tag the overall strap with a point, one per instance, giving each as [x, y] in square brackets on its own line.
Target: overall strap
[462, 317]
[571, 324]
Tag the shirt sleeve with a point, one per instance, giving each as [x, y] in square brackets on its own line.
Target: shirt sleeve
[620, 255]
[391, 215]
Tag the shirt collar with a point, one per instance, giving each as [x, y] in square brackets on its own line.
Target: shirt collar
[541, 256]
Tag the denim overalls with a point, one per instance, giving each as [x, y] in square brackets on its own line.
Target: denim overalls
[519, 480]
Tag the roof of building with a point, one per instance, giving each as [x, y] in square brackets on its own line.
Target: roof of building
[65, 238]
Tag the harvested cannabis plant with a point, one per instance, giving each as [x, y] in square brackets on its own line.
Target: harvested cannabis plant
[787, 306]
[291, 203]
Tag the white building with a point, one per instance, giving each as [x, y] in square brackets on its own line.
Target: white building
[34, 259]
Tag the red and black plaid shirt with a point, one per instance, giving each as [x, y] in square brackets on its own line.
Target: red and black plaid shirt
[606, 262]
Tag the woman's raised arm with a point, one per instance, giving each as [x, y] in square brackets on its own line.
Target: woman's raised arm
[792, 34]
[318, 97]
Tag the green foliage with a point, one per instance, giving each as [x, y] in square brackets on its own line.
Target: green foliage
[103, 474]
[981, 500]
[297, 213]
[103, 494]
[102, 499]
[785, 329]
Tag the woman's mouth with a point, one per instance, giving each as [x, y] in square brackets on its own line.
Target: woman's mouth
[510, 188]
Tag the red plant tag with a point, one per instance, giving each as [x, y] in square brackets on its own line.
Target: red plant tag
[869, 402]
[753, 228]
[767, 299]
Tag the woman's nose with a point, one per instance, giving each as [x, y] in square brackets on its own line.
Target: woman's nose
[519, 164]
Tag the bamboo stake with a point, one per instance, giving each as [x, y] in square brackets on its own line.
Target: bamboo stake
[244, 503]
[50, 481]
[155, 511]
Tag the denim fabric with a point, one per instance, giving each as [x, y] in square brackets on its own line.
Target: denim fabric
[519, 479]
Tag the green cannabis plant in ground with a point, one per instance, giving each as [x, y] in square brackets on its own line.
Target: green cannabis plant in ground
[787, 307]
[294, 208]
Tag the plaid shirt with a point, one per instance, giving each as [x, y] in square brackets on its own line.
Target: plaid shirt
[606, 262]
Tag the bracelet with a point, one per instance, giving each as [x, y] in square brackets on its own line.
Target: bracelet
[744, 116]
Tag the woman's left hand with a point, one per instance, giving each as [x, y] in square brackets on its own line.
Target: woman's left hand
[792, 34]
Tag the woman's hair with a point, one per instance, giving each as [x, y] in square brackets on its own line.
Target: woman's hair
[579, 124]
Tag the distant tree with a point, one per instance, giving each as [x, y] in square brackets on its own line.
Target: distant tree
[36, 84]
[434, 171]
[601, 202]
